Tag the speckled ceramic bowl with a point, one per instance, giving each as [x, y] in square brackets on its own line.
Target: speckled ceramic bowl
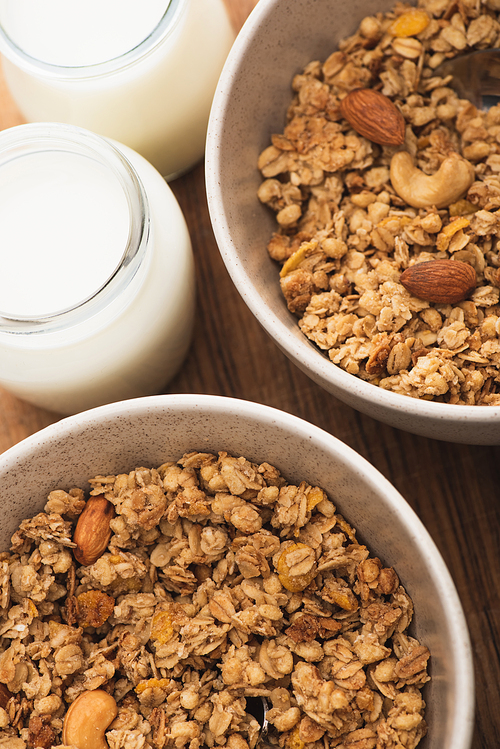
[250, 104]
[149, 431]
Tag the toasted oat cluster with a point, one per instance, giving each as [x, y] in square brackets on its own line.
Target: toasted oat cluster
[354, 213]
[215, 581]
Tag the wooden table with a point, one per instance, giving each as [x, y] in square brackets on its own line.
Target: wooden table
[455, 489]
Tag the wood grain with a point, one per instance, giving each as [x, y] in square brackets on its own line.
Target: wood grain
[453, 488]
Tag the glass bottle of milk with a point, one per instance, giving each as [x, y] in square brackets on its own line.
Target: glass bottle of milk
[142, 72]
[97, 283]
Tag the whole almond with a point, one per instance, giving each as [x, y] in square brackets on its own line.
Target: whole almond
[92, 532]
[440, 281]
[374, 116]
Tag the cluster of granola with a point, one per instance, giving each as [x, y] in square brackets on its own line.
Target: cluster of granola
[220, 582]
[345, 235]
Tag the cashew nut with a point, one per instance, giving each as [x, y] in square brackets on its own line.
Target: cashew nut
[446, 186]
[87, 719]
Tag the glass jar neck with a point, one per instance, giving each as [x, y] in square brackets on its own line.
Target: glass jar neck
[68, 251]
[14, 51]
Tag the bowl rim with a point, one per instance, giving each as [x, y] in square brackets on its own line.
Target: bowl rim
[293, 343]
[464, 704]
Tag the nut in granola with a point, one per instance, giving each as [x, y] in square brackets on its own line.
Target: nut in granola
[446, 186]
[374, 116]
[92, 532]
[440, 281]
[87, 720]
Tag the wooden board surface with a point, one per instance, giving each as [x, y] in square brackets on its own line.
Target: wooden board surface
[455, 489]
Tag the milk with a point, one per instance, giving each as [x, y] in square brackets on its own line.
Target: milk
[100, 267]
[143, 73]
[75, 33]
[78, 228]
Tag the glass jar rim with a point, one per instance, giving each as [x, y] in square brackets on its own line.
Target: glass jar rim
[23, 60]
[22, 140]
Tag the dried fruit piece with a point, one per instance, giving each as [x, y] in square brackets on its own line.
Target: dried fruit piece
[462, 207]
[340, 595]
[297, 567]
[93, 608]
[374, 116]
[377, 360]
[440, 281]
[410, 23]
[40, 732]
[346, 528]
[298, 256]
[165, 622]
[388, 220]
[162, 628]
[444, 237]
[315, 496]
[293, 740]
[92, 532]
[152, 684]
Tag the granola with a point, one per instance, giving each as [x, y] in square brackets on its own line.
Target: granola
[221, 583]
[345, 235]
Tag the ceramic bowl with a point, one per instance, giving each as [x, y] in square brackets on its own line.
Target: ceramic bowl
[149, 431]
[249, 105]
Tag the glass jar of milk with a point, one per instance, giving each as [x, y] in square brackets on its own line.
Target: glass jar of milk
[142, 72]
[97, 285]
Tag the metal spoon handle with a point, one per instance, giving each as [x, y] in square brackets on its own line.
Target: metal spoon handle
[476, 76]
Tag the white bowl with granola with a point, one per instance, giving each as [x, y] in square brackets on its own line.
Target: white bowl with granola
[355, 197]
[167, 562]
